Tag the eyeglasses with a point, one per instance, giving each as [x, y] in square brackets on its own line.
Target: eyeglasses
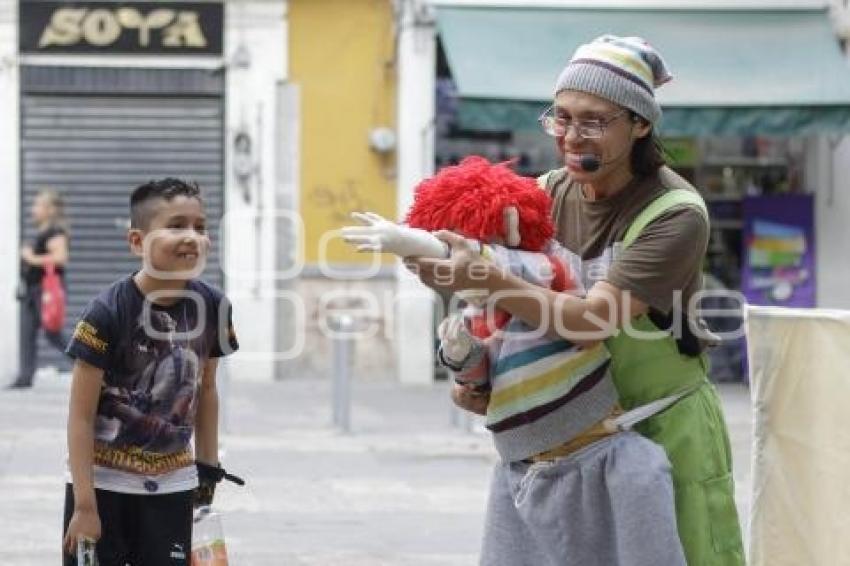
[587, 129]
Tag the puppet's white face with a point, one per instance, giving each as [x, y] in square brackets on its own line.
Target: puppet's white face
[511, 239]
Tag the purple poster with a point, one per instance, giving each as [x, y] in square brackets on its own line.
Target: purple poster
[779, 251]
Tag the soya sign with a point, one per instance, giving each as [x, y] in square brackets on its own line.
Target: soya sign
[181, 28]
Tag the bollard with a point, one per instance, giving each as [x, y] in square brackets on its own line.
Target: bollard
[343, 346]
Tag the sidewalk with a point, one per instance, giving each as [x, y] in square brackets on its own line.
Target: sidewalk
[405, 488]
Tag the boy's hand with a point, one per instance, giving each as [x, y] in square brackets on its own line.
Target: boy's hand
[85, 523]
[208, 477]
[464, 269]
[204, 493]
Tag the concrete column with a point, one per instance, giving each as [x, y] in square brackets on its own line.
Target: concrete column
[9, 188]
[414, 334]
[828, 160]
[256, 63]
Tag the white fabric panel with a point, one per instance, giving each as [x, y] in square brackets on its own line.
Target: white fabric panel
[800, 388]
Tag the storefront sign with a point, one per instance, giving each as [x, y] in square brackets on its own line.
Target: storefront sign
[141, 28]
[779, 250]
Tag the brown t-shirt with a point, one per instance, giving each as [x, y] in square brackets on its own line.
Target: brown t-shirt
[665, 258]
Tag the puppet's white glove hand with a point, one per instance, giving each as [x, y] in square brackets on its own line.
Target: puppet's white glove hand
[380, 235]
[455, 339]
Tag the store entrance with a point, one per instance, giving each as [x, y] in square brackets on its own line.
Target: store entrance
[95, 134]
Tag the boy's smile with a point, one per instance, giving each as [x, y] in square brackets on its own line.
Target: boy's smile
[175, 243]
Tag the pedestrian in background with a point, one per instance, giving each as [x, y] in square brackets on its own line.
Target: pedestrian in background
[49, 247]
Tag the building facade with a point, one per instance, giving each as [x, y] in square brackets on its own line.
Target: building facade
[101, 97]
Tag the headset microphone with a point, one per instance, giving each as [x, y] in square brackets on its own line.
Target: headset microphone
[589, 163]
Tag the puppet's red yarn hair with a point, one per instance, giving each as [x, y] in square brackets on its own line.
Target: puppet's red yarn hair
[470, 198]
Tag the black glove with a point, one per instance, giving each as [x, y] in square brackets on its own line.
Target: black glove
[208, 477]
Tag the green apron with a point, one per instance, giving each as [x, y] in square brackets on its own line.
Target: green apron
[692, 431]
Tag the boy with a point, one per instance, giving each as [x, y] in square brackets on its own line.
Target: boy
[146, 352]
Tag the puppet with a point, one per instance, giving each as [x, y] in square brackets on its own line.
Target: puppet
[507, 217]
[531, 377]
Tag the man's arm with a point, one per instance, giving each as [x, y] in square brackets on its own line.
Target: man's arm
[582, 320]
[85, 391]
[206, 420]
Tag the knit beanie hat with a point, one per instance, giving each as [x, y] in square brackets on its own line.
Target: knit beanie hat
[624, 70]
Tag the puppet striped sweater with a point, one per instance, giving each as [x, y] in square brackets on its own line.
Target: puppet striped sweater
[545, 391]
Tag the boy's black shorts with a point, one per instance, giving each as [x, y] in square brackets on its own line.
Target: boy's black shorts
[139, 530]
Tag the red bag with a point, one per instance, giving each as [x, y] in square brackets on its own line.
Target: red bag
[52, 300]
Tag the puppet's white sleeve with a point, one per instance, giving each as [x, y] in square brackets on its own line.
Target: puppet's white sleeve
[413, 242]
[378, 234]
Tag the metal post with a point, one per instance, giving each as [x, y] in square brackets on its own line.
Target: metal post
[343, 345]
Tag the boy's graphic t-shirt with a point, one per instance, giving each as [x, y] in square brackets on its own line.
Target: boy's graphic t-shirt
[153, 358]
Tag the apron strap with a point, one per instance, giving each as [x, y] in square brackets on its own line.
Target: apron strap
[629, 419]
[675, 197]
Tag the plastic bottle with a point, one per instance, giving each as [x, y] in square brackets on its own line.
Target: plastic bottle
[208, 547]
[86, 554]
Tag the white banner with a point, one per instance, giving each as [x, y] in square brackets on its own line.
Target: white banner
[800, 387]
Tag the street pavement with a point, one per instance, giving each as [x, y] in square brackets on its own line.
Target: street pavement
[405, 487]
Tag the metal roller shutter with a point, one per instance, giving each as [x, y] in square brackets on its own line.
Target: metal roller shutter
[95, 149]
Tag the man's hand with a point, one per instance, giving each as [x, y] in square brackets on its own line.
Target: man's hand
[85, 523]
[471, 399]
[464, 269]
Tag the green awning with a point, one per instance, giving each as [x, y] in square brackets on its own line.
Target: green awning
[768, 72]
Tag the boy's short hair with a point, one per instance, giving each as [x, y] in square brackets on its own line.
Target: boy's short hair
[144, 196]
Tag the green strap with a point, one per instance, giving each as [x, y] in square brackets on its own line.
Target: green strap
[657, 355]
[658, 207]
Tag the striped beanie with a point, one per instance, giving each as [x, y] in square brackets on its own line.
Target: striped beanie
[624, 70]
